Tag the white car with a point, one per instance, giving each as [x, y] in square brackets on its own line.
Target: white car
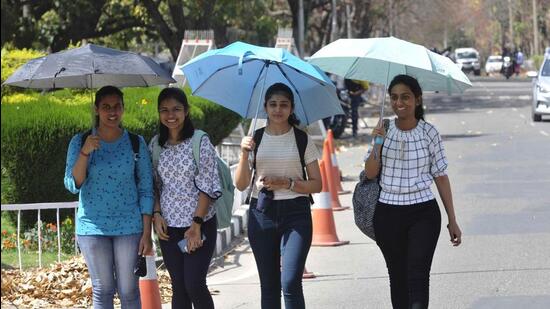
[467, 60]
[541, 91]
[493, 64]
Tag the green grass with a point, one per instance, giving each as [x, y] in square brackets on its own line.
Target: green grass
[30, 259]
[7, 224]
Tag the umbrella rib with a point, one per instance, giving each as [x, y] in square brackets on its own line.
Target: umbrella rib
[218, 70]
[295, 89]
[253, 88]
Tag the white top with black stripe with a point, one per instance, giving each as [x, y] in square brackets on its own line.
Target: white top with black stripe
[410, 162]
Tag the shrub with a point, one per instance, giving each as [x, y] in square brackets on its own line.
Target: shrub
[36, 130]
[12, 59]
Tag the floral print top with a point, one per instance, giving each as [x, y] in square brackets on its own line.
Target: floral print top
[179, 187]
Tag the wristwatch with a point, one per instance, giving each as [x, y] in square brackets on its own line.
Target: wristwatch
[198, 220]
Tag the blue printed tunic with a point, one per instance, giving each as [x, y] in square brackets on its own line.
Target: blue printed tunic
[112, 200]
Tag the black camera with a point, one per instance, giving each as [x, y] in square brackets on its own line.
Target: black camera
[265, 199]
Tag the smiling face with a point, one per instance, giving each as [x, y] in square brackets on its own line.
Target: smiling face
[403, 101]
[172, 114]
[278, 108]
[110, 110]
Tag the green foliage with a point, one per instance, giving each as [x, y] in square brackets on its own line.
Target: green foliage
[537, 61]
[12, 59]
[36, 130]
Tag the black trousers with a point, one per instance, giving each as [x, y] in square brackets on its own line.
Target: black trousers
[407, 236]
[188, 271]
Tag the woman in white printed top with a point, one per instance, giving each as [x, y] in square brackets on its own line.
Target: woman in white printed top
[407, 220]
[184, 202]
[279, 224]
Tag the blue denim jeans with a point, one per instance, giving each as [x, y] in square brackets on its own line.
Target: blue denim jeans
[111, 261]
[280, 237]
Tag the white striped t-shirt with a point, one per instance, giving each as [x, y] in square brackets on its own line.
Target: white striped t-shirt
[278, 156]
[410, 161]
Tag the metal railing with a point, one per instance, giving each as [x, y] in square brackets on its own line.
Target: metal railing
[238, 200]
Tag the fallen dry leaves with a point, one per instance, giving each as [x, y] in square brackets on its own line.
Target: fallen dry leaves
[63, 285]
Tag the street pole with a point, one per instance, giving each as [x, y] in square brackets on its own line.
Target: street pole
[301, 27]
[334, 34]
[510, 25]
[535, 29]
[390, 14]
[348, 19]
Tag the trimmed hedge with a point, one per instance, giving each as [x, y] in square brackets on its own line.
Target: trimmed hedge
[36, 131]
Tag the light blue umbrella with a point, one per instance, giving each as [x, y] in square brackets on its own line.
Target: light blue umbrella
[379, 60]
[237, 75]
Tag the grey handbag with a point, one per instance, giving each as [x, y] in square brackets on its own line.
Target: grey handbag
[365, 198]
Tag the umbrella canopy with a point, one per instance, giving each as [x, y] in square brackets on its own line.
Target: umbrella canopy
[379, 60]
[236, 77]
[89, 66]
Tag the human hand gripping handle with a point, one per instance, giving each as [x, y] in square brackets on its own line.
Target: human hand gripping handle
[247, 144]
[91, 144]
[379, 133]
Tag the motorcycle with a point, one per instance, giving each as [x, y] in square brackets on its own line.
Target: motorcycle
[507, 67]
[338, 123]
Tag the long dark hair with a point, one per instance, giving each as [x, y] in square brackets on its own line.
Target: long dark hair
[284, 90]
[413, 84]
[101, 94]
[188, 128]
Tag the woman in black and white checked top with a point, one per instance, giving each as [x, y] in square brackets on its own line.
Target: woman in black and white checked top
[407, 220]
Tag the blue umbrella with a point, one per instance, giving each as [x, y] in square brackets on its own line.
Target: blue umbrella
[237, 75]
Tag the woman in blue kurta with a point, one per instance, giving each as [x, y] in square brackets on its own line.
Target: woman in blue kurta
[115, 187]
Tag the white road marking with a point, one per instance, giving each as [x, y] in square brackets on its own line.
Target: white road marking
[524, 97]
[544, 133]
[522, 116]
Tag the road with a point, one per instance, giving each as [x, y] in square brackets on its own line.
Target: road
[500, 174]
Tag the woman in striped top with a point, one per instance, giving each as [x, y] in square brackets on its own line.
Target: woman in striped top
[279, 224]
[407, 220]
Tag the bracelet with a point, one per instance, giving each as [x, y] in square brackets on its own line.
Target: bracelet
[291, 184]
[157, 211]
[84, 154]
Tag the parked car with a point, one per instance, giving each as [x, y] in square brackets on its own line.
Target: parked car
[541, 91]
[467, 60]
[493, 64]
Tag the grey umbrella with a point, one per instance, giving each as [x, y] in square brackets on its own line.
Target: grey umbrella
[89, 66]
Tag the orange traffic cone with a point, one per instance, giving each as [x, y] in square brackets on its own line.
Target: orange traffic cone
[324, 229]
[331, 181]
[149, 286]
[335, 168]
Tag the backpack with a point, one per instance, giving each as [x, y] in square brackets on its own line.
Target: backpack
[134, 140]
[224, 204]
[301, 143]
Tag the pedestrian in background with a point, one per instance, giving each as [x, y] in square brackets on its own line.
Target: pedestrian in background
[279, 223]
[355, 90]
[407, 220]
[113, 222]
[184, 201]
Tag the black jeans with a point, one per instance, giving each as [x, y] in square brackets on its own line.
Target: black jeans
[407, 236]
[188, 271]
[355, 103]
[280, 237]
